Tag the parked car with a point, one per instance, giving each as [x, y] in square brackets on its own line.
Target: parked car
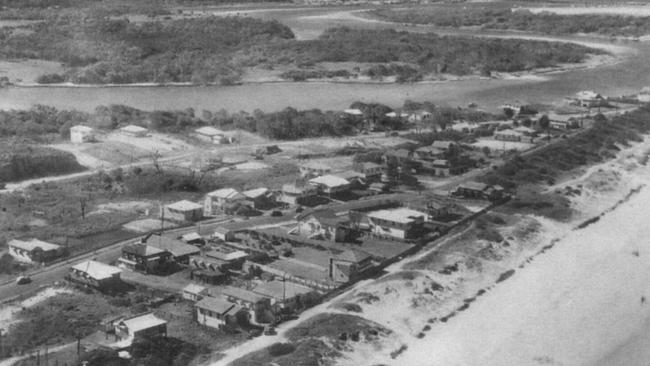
[270, 331]
[276, 213]
[254, 333]
[23, 280]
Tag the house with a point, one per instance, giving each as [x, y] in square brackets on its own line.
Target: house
[400, 223]
[297, 194]
[330, 184]
[314, 169]
[96, 274]
[216, 312]
[515, 108]
[193, 238]
[444, 145]
[589, 98]
[508, 135]
[465, 127]
[440, 167]
[379, 187]
[419, 116]
[223, 233]
[400, 155]
[434, 209]
[180, 251]
[256, 305]
[183, 211]
[135, 131]
[564, 124]
[33, 250]
[209, 134]
[477, 190]
[287, 295]
[194, 292]
[143, 258]
[429, 152]
[348, 265]
[356, 179]
[222, 201]
[141, 326]
[370, 171]
[221, 259]
[527, 131]
[260, 198]
[80, 134]
[323, 224]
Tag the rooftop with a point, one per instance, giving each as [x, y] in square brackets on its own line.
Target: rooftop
[442, 144]
[81, 128]
[254, 193]
[242, 294]
[193, 288]
[176, 247]
[142, 250]
[476, 186]
[97, 270]
[32, 244]
[354, 111]
[227, 256]
[133, 128]
[293, 188]
[400, 215]
[280, 290]
[315, 165]
[185, 205]
[141, 322]
[208, 131]
[218, 305]
[329, 181]
[225, 193]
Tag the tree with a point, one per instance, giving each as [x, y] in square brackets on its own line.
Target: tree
[545, 123]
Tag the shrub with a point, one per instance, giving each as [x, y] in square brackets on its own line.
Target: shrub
[279, 349]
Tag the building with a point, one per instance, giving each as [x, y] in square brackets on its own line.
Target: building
[216, 312]
[508, 135]
[440, 167]
[141, 326]
[223, 233]
[348, 265]
[314, 169]
[287, 295]
[260, 198]
[356, 179]
[220, 259]
[193, 238]
[400, 223]
[323, 225]
[209, 134]
[419, 116]
[589, 99]
[297, 194]
[180, 251]
[194, 292]
[429, 152]
[80, 134]
[143, 258]
[400, 155]
[330, 184]
[257, 306]
[222, 201]
[353, 111]
[435, 209]
[33, 250]
[444, 145]
[135, 131]
[96, 274]
[370, 171]
[564, 124]
[477, 190]
[183, 211]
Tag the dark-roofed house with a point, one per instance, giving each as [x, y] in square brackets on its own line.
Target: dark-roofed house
[346, 266]
[143, 258]
[180, 251]
[257, 305]
[471, 190]
[216, 312]
[323, 224]
[34, 250]
[259, 198]
[96, 274]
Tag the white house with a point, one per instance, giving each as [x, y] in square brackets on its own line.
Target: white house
[588, 98]
[96, 274]
[330, 184]
[215, 312]
[401, 223]
[33, 251]
[221, 200]
[135, 131]
[183, 211]
[314, 168]
[297, 194]
[353, 112]
[80, 134]
[209, 134]
[141, 326]
[194, 292]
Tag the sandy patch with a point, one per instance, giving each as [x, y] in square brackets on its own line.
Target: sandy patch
[7, 313]
[628, 10]
[28, 70]
[251, 165]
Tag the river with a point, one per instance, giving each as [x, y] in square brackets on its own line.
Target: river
[625, 77]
